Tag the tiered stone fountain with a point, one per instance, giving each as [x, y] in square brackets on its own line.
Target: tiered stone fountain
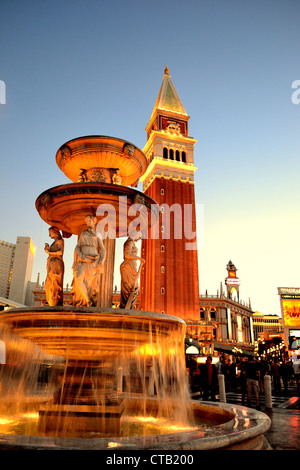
[114, 363]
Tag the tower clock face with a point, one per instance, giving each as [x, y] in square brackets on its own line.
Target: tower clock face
[231, 273]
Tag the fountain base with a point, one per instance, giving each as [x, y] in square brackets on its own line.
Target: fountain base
[77, 420]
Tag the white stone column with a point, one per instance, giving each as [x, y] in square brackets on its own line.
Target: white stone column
[222, 391]
[268, 392]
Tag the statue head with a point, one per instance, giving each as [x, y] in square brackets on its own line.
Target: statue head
[91, 220]
[128, 150]
[54, 232]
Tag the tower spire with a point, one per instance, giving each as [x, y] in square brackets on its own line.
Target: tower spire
[168, 99]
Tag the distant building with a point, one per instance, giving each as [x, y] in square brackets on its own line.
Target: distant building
[265, 326]
[7, 255]
[226, 323]
[269, 337]
[16, 261]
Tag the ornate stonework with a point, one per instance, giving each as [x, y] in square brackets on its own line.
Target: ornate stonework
[100, 175]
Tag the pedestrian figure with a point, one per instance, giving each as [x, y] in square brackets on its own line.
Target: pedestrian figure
[220, 364]
[209, 379]
[263, 369]
[252, 376]
[243, 383]
[284, 374]
[232, 375]
[226, 373]
[276, 377]
[229, 371]
[296, 368]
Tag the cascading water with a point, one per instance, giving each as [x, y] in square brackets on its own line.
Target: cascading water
[138, 373]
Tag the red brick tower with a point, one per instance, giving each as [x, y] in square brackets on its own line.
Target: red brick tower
[169, 279]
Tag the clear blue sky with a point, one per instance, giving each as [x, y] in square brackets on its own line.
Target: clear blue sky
[75, 68]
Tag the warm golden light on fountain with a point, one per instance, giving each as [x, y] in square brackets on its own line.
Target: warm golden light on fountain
[102, 152]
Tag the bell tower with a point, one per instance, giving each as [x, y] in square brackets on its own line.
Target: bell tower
[169, 279]
[232, 282]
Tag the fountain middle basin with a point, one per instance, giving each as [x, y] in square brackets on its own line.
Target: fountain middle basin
[92, 333]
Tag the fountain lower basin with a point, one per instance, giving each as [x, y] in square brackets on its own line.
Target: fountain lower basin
[122, 386]
[217, 426]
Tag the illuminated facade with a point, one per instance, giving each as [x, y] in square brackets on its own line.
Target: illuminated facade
[290, 312]
[169, 278]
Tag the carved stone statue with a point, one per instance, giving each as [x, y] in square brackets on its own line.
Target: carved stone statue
[55, 269]
[100, 175]
[130, 274]
[89, 256]
[117, 178]
[95, 175]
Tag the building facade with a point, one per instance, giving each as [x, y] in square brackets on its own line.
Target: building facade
[225, 326]
[226, 322]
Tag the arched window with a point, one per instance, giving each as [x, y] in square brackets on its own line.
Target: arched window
[165, 152]
[183, 157]
[162, 248]
[162, 290]
[177, 155]
[162, 269]
[171, 153]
